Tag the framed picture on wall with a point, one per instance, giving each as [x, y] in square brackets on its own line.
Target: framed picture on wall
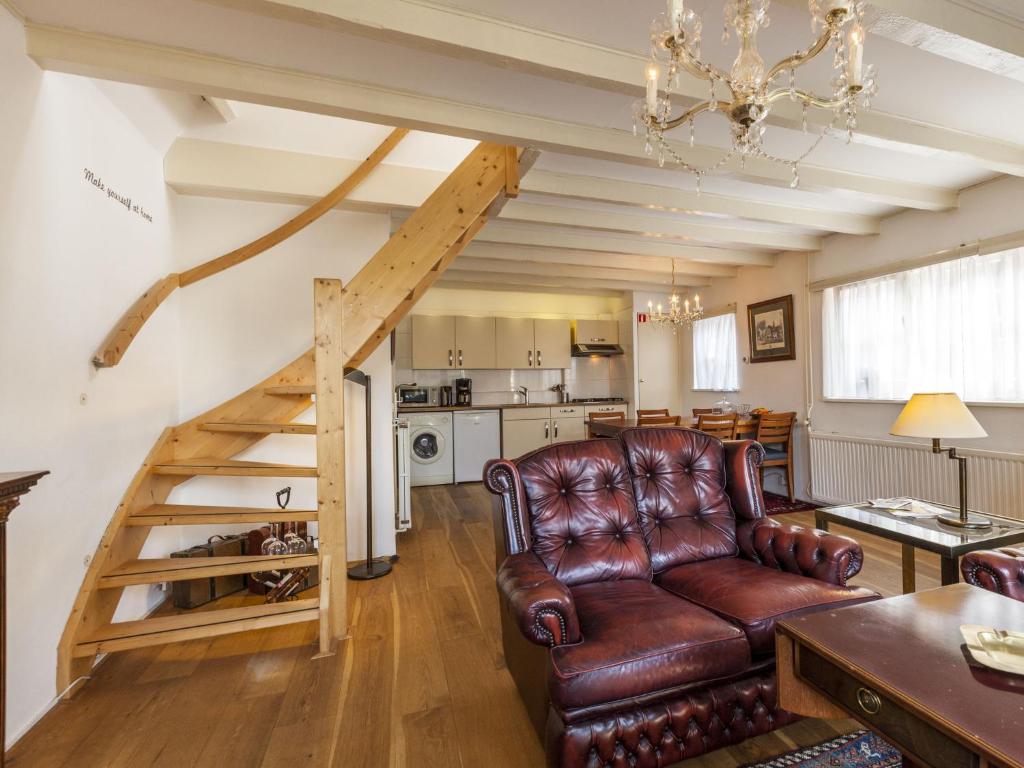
[770, 324]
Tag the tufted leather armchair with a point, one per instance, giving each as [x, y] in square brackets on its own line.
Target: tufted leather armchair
[997, 570]
[640, 585]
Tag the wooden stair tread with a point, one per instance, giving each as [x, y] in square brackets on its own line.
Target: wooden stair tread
[192, 514]
[291, 389]
[231, 467]
[269, 427]
[158, 570]
[125, 635]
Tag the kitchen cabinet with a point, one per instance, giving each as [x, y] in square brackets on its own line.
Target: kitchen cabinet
[567, 424]
[433, 341]
[552, 344]
[606, 408]
[474, 343]
[596, 332]
[524, 430]
[528, 343]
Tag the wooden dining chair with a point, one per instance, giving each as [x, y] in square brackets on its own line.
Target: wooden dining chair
[698, 412]
[720, 425]
[775, 433]
[746, 428]
[642, 412]
[606, 416]
[658, 421]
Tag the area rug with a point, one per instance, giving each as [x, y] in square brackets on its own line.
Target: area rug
[777, 505]
[860, 749]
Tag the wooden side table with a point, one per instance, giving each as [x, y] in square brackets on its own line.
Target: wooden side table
[13, 485]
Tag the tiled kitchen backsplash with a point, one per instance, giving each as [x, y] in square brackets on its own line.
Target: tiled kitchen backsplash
[587, 377]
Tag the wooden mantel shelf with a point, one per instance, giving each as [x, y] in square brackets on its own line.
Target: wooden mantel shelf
[14, 485]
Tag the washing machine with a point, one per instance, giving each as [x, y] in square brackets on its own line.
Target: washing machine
[431, 448]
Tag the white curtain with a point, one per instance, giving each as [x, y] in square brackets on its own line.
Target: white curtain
[957, 327]
[715, 366]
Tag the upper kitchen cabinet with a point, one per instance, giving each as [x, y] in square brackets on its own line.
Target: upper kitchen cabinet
[514, 342]
[528, 343]
[597, 332]
[552, 342]
[474, 343]
[433, 342]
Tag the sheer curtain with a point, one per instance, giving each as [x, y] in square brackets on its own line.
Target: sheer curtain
[715, 366]
[957, 327]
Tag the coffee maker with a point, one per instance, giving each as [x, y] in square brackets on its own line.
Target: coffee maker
[463, 391]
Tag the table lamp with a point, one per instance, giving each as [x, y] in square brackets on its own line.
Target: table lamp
[937, 416]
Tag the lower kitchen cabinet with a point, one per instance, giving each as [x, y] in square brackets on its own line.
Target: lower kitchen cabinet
[567, 430]
[524, 435]
[527, 429]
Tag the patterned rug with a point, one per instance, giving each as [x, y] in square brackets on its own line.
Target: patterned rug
[776, 504]
[860, 749]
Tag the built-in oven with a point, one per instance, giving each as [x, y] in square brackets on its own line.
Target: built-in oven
[412, 394]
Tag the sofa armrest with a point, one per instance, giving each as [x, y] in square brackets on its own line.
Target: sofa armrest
[997, 570]
[805, 551]
[541, 604]
[742, 478]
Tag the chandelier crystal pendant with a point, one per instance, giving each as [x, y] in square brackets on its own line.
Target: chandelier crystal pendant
[751, 86]
[679, 314]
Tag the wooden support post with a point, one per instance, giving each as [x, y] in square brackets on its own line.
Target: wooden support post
[330, 454]
[511, 171]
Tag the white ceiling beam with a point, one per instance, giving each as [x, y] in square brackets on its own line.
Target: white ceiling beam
[513, 234]
[656, 197]
[557, 284]
[572, 272]
[216, 169]
[222, 107]
[657, 227]
[191, 72]
[501, 43]
[483, 284]
[632, 262]
[964, 18]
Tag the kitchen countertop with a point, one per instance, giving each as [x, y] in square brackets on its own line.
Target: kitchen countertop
[497, 406]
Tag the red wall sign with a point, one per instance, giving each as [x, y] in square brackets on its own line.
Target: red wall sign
[641, 317]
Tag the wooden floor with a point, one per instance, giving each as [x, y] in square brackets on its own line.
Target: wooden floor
[421, 683]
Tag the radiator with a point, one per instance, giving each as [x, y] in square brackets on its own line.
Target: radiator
[846, 469]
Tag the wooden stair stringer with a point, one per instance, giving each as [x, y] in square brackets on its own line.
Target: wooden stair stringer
[375, 301]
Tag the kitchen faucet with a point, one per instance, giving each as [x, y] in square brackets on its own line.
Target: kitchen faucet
[521, 390]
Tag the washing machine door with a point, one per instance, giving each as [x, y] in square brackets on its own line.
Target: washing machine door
[427, 445]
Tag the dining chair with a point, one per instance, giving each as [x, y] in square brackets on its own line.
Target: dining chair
[775, 433]
[746, 428]
[641, 412]
[702, 412]
[658, 421]
[720, 425]
[606, 416]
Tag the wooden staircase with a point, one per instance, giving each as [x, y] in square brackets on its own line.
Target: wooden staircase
[348, 325]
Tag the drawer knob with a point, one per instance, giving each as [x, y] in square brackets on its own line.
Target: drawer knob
[869, 701]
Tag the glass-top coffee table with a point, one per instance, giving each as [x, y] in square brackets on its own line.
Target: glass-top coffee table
[928, 534]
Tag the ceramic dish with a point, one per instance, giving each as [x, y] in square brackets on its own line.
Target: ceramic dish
[996, 648]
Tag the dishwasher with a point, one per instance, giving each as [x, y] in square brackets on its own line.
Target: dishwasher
[477, 439]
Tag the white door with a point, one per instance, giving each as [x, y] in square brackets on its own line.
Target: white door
[658, 369]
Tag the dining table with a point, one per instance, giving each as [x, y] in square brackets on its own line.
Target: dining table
[611, 428]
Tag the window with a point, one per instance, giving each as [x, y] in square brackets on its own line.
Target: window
[714, 354]
[957, 326]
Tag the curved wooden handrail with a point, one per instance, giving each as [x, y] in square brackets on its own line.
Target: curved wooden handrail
[128, 327]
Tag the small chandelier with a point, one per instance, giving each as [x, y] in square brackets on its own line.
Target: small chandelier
[677, 316]
[752, 89]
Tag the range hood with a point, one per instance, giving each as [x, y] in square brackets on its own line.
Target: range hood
[596, 350]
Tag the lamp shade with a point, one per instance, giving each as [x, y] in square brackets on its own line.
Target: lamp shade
[936, 415]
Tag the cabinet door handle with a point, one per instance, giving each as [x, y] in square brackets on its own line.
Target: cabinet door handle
[547, 429]
[450, 362]
[539, 363]
[556, 430]
[529, 358]
[460, 358]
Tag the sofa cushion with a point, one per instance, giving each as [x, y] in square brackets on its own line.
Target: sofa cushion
[639, 639]
[679, 482]
[754, 597]
[583, 519]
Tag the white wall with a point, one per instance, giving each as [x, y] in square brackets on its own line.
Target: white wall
[985, 211]
[776, 385]
[71, 260]
[240, 326]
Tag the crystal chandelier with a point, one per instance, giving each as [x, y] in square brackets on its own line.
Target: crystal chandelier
[751, 87]
[677, 316]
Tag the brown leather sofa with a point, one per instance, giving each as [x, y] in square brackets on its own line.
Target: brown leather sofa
[641, 584]
[997, 570]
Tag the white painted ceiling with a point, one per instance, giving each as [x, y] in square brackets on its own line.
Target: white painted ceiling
[926, 77]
